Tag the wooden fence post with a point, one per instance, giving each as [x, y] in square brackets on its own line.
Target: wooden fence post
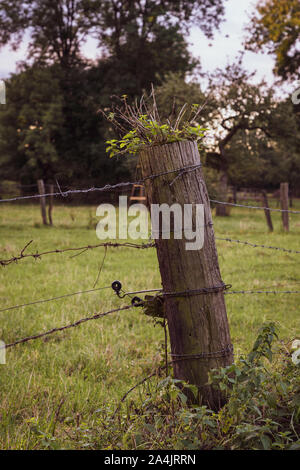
[50, 208]
[41, 188]
[222, 187]
[234, 194]
[284, 202]
[265, 204]
[197, 324]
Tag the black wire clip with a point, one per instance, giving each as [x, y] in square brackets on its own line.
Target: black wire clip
[117, 286]
[137, 302]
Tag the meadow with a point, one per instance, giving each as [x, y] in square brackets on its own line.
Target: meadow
[61, 383]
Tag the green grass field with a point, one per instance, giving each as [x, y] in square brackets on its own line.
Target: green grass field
[60, 382]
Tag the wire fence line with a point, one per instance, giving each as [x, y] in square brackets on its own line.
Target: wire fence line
[62, 328]
[254, 207]
[159, 292]
[257, 245]
[134, 303]
[180, 172]
[209, 290]
[263, 292]
[109, 187]
[53, 298]
[82, 249]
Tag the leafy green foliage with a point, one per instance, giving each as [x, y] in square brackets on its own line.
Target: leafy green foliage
[275, 27]
[137, 25]
[262, 411]
[148, 131]
[142, 42]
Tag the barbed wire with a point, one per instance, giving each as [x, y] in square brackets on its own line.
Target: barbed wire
[205, 290]
[137, 302]
[263, 292]
[14, 307]
[82, 249]
[5, 262]
[225, 351]
[107, 187]
[71, 325]
[257, 245]
[254, 207]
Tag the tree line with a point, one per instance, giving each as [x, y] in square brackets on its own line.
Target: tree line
[51, 126]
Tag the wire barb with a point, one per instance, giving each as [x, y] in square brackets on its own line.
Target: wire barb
[5, 262]
[62, 328]
[254, 207]
[257, 245]
[107, 187]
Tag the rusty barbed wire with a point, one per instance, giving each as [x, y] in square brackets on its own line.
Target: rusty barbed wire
[137, 302]
[71, 325]
[257, 245]
[263, 292]
[107, 187]
[140, 303]
[227, 350]
[254, 207]
[5, 262]
[37, 255]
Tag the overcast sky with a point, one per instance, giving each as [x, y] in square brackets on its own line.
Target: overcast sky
[212, 53]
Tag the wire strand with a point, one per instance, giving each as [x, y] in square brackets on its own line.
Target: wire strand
[5, 262]
[71, 325]
[254, 207]
[53, 298]
[257, 245]
[107, 187]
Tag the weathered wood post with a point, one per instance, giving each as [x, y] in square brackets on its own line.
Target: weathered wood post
[41, 188]
[265, 204]
[223, 187]
[234, 194]
[198, 325]
[284, 203]
[50, 207]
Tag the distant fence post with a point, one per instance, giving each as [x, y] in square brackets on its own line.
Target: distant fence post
[284, 202]
[41, 188]
[50, 208]
[198, 324]
[222, 188]
[265, 204]
[234, 194]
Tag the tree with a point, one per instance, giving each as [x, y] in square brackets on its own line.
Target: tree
[275, 27]
[140, 41]
[263, 162]
[30, 125]
[59, 28]
[118, 22]
[240, 107]
[45, 135]
[174, 92]
[137, 67]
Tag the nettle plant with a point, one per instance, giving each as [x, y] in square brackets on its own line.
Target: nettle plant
[141, 125]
